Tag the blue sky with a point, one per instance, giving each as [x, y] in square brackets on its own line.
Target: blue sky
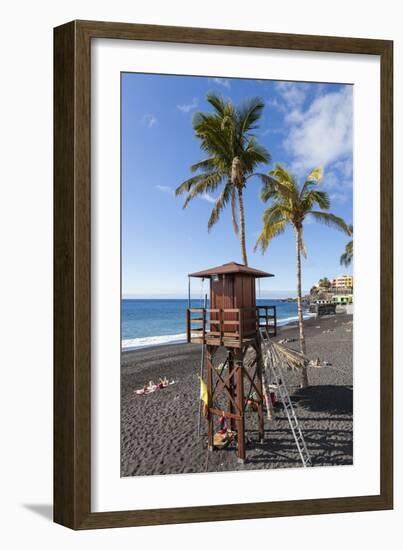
[304, 125]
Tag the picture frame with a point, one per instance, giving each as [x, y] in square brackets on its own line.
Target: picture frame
[72, 274]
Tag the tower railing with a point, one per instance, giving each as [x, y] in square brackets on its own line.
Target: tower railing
[230, 327]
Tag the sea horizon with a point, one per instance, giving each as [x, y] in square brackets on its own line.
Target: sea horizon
[271, 295]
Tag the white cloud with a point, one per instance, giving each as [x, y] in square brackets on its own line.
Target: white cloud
[293, 94]
[323, 134]
[169, 191]
[295, 116]
[290, 99]
[221, 82]
[149, 120]
[187, 107]
[337, 181]
[208, 198]
[166, 189]
[276, 104]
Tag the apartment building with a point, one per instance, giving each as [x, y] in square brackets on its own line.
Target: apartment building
[342, 281]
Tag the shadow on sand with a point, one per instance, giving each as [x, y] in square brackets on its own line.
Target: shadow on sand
[328, 446]
[329, 399]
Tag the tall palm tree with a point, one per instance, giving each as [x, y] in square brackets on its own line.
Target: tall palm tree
[233, 154]
[292, 204]
[347, 257]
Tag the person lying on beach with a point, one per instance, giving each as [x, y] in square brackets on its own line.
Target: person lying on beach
[151, 387]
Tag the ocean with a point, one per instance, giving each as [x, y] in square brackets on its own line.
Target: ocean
[155, 322]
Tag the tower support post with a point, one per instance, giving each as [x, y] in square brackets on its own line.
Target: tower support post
[210, 416]
[231, 387]
[240, 401]
[259, 386]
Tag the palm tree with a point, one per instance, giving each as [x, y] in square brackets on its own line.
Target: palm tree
[347, 257]
[324, 283]
[233, 154]
[292, 204]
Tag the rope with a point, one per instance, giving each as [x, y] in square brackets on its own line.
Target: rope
[202, 292]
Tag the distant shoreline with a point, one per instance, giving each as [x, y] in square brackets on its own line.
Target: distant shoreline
[284, 297]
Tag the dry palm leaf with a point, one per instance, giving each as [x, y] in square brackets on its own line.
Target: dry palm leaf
[290, 358]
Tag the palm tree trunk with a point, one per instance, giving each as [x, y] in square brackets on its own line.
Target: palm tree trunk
[242, 226]
[305, 382]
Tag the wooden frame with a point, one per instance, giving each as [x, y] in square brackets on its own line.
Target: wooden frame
[72, 268]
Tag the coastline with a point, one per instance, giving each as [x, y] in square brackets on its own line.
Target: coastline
[159, 431]
[149, 342]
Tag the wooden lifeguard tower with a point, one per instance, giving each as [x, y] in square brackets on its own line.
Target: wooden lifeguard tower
[232, 323]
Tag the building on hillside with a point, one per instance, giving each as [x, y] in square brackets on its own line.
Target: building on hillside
[342, 281]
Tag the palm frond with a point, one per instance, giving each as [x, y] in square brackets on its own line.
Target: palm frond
[199, 119]
[331, 220]
[221, 106]
[209, 182]
[205, 165]
[214, 140]
[313, 179]
[276, 212]
[268, 186]
[315, 175]
[187, 185]
[285, 183]
[292, 359]
[346, 258]
[272, 187]
[248, 114]
[312, 197]
[281, 174]
[254, 154]
[220, 203]
[268, 233]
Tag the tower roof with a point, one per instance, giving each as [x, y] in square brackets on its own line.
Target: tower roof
[230, 269]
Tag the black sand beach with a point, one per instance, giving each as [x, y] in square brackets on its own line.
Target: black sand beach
[159, 430]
